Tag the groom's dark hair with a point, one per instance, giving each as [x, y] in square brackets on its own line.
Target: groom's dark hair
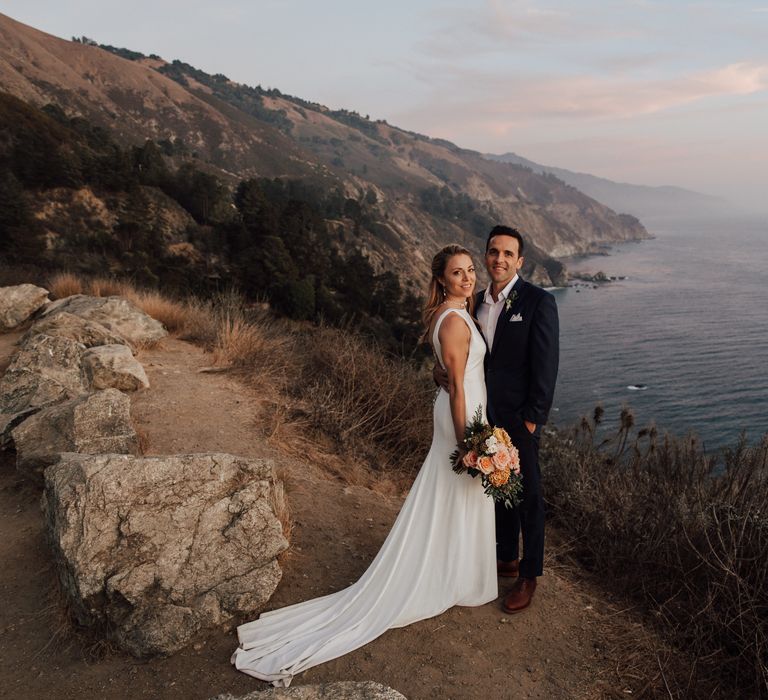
[506, 231]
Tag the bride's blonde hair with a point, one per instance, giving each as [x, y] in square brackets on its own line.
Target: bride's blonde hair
[436, 292]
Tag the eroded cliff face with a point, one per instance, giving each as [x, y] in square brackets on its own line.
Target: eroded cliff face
[427, 192]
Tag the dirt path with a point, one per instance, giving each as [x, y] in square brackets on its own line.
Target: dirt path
[554, 650]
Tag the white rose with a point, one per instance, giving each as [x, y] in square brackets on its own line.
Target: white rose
[491, 445]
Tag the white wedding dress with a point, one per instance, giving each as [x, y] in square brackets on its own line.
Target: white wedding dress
[439, 553]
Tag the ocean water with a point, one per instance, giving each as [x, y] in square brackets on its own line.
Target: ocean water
[690, 323]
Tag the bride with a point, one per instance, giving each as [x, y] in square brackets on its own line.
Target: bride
[441, 550]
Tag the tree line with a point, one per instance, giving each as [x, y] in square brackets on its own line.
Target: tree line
[283, 241]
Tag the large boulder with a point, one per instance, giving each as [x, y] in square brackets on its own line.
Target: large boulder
[114, 313]
[90, 424]
[45, 371]
[67, 325]
[343, 690]
[18, 303]
[152, 550]
[114, 366]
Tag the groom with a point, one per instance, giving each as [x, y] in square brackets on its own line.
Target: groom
[520, 325]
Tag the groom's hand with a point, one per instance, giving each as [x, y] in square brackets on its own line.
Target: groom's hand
[440, 376]
[531, 426]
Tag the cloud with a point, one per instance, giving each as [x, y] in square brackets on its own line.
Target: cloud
[503, 25]
[502, 102]
[737, 79]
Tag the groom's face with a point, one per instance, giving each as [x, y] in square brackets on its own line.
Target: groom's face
[503, 260]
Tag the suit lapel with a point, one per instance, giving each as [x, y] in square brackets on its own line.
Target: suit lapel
[506, 312]
[479, 296]
[478, 301]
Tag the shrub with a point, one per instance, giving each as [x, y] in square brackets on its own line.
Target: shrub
[376, 408]
[190, 318]
[255, 343]
[683, 531]
[65, 284]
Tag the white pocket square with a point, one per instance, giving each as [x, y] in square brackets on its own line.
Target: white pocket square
[515, 317]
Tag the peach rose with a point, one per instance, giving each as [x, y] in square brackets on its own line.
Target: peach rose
[502, 459]
[499, 477]
[514, 459]
[485, 465]
[470, 460]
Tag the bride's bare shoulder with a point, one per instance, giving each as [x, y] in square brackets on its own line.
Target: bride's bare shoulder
[453, 327]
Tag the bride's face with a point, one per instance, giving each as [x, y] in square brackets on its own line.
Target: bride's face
[459, 277]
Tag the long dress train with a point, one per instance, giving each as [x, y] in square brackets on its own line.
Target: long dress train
[439, 553]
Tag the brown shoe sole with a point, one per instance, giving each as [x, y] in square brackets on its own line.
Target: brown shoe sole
[512, 611]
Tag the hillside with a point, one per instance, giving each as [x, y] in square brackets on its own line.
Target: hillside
[564, 647]
[638, 200]
[72, 198]
[346, 426]
[428, 192]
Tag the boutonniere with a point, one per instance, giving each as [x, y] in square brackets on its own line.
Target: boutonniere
[510, 300]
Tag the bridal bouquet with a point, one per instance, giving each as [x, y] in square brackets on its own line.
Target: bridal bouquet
[493, 456]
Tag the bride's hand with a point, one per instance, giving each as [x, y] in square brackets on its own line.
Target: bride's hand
[440, 376]
[463, 452]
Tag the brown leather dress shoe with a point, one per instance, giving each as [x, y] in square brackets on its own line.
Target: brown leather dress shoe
[520, 596]
[508, 569]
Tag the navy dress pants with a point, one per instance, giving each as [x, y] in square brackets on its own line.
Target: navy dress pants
[528, 516]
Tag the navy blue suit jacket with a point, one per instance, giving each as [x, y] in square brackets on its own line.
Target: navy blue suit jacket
[521, 367]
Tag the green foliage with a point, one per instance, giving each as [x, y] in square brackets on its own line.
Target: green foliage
[681, 531]
[629, 221]
[476, 433]
[20, 235]
[203, 195]
[296, 298]
[286, 252]
[248, 99]
[123, 53]
[270, 238]
[362, 124]
[461, 208]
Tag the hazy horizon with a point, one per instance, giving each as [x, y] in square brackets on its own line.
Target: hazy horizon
[634, 91]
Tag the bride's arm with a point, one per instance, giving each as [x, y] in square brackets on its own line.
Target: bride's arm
[454, 341]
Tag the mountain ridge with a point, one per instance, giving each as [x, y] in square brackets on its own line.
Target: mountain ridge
[428, 192]
[644, 201]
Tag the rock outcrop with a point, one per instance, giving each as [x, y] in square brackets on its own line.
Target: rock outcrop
[155, 549]
[45, 371]
[90, 424]
[343, 690]
[117, 314]
[67, 325]
[18, 303]
[114, 366]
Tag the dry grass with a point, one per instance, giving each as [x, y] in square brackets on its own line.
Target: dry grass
[57, 614]
[65, 284]
[653, 519]
[377, 409]
[189, 318]
[174, 315]
[330, 397]
[143, 438]
[281, 509]
[327, 395]
[109, 287]
[682, 533]
[259, 346]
